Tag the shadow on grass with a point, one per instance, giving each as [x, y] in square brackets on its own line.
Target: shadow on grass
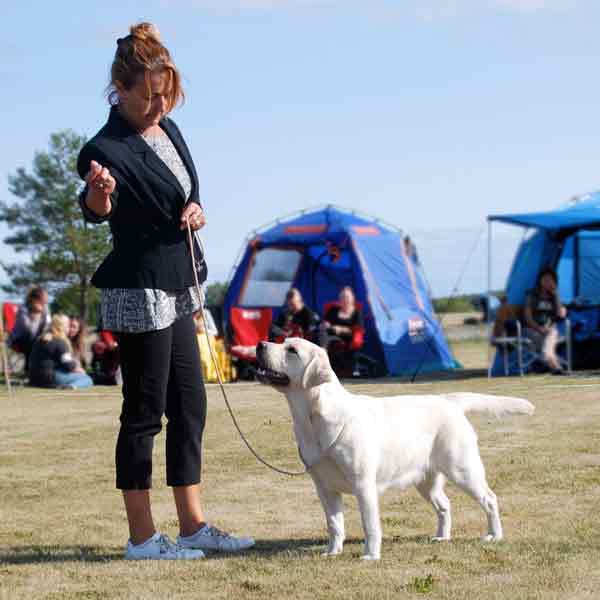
[32, 555]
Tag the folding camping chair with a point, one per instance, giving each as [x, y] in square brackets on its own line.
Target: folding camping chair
[517, 351]
[248, 327]
[16, 359]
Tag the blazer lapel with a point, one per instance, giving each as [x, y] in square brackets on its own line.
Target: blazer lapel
[137, 143]
[183, 152]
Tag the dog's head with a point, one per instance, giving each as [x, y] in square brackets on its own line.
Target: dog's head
[297, 363]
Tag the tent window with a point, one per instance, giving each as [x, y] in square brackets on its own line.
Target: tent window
[272, 274]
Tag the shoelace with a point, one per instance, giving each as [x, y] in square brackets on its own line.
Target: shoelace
[216, 532]
[166, 544]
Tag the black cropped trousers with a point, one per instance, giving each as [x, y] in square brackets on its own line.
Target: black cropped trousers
[162, 375]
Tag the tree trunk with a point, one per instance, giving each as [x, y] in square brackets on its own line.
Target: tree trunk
[83, 299]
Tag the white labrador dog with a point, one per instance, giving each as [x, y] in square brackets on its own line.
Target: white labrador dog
[362, 445]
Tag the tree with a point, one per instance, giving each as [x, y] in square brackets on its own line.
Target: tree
[47, 225]
[215, 294]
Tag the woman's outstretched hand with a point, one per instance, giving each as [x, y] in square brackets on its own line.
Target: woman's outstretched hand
[101, 184]
[195, 214]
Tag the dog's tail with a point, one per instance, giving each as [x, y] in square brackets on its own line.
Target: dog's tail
[498, 406]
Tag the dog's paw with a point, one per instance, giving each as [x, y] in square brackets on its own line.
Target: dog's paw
[370, 557]
[436, 539]
[335, 552]
[491, 538]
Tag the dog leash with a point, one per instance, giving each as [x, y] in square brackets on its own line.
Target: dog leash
[218, 370]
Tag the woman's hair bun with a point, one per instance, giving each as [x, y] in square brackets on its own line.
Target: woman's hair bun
[145, 31]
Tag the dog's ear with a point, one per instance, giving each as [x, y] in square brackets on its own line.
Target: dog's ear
[318, 370]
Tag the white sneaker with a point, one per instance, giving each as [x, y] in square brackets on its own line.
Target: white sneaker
[160, 547]
[212, 539]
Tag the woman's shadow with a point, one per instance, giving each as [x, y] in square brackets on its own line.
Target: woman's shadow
[39, 554]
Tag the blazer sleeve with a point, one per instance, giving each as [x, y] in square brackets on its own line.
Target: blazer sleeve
[89, 153]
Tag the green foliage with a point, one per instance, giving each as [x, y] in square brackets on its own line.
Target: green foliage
[60, 250]
[456, 304]
[68, 299]
[215, 294]
[423, 585]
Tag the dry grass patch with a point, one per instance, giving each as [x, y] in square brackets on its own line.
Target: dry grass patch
[62, 527]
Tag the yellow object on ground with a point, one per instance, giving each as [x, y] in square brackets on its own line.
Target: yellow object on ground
[226, 367]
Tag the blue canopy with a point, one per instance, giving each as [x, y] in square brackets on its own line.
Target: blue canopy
[321, 251]
[566, 239]
[584, 214]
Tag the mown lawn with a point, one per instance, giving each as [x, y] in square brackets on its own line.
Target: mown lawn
[62, 527]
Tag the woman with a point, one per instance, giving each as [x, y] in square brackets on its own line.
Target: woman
[52, 363]
[543, 309]
[31, 321]
[78, 336]
[344, 322]
[140, 177]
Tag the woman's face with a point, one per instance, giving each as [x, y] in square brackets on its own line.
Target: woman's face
[548, 284]
[74, 327]
[347, 300]
[145, 107]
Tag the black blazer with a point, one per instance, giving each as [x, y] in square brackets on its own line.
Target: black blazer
[149, 249]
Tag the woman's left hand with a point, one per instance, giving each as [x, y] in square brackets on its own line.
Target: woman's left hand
[195, 214]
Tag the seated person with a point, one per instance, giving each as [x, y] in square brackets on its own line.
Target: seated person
[31, 321]
[52, 363]
[339, 329]
[541, 312]
[78, 336]
[295, 320]
[105, 359]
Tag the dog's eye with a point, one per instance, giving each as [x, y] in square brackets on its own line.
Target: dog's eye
[292, 350]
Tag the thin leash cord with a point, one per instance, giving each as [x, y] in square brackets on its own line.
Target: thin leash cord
[218, 370]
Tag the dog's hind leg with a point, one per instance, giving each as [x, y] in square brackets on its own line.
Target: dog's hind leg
[471, 478]
[333, 505]
[368, 503]
[432, 489]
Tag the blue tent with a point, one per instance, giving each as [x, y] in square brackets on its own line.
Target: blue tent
[321, 251]
[567, 239]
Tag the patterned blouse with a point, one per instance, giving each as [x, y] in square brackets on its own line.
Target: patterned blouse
[131, 310]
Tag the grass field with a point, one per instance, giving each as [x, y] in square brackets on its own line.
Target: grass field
[62, 527]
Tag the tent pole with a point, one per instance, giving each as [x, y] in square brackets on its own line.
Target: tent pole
[489, 297]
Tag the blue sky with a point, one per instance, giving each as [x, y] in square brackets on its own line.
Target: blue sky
[430, 114]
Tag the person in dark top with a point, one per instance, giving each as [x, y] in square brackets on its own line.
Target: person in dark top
[295, 320]
[32, 319]
[543, 309]
[338, 329]
[52, 364]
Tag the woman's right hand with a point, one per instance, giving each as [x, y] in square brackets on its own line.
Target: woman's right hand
[101, 184]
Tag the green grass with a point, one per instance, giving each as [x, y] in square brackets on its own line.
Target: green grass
[62, 526]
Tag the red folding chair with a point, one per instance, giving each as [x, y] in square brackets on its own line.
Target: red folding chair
[16, 359]
[249, 326]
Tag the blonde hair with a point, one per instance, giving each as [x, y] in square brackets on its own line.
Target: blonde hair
[58, 328]
[138, 55]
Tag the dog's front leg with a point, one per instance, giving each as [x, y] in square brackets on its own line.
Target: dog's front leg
[368, 503]
[333, 505]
